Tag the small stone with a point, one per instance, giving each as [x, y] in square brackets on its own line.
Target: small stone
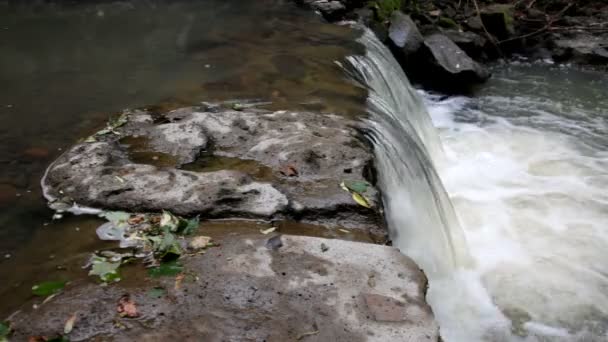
[77, 229]
[7, 256]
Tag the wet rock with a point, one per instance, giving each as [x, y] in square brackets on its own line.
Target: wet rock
[471, 43]
[246, 291]
[498, 20]
[582, 49]
[316, 147]
[404, 34]
[453, 67]
[330, 9]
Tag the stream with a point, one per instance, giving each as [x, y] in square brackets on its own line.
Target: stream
[499, 197]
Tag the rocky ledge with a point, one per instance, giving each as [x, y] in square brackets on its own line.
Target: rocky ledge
[220, 162]
[230, 162]
[249, 289]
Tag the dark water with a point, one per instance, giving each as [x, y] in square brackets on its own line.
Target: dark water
[66, 69]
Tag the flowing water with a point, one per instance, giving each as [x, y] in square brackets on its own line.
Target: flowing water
[500, 197]
[518, 251]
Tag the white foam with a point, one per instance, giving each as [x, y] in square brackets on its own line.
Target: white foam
[534, 209]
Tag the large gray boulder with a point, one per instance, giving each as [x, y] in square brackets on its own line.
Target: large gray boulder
[251, 289]
[452, 63]
[223, 163]
[404, 34]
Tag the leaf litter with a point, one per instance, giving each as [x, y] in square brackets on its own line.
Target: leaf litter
[156, 239]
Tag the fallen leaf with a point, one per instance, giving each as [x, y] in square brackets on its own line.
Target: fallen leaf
[200, 242]
[5, 330]
[37, 339]
[435, 13]
[126, 307]
[355, 186]
[116, 217]
[178, 281]
[48, 288]
[168, 220]
[106, 270]
[289, 171]
[361, 200]
[268, 231]
[69, 324]
[301, 336]
[344, 231]
[170, 268]
[137, 219]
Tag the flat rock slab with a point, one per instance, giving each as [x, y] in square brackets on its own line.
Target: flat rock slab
[249, 289]
[223, 163]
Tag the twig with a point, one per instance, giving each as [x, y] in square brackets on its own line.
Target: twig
[542, 29]
[301, 336]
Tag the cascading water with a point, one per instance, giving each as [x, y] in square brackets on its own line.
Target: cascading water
[505, 276]
[406, 144]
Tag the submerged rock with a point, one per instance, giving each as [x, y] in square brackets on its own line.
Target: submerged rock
[344, 291]
[223, 163]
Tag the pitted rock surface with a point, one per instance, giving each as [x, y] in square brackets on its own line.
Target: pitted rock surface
[246, 291]
[322, 149]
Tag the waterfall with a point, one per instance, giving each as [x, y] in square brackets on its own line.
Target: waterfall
[530, 198]
[421, 220]
[420, 217]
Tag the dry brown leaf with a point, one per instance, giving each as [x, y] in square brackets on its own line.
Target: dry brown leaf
[69, 324]
[126, 307]
[200, 242]
[37, 339]
[135, 220]
[289, 171]
[178, 281]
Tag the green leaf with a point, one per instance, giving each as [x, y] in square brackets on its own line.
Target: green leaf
[5, 330]
[106, 270]
[116, 217]
[355, 186]
[169, 221]
[48, 288]
[170, 268]
[59, 339]
[189, 226]
[157, 292]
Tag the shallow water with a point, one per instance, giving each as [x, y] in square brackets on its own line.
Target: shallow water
[527, 172]
[66, 69]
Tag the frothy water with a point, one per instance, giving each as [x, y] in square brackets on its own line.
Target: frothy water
[526, 168]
